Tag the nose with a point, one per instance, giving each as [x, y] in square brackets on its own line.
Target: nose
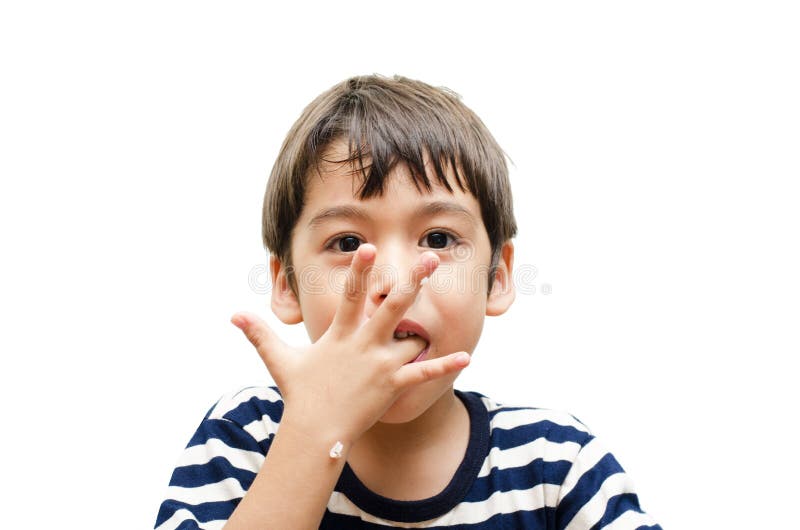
[390, 271]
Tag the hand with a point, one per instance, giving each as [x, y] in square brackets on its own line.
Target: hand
[341, 385]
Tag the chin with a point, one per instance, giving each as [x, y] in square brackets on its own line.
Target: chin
[413, 403]
[398, 415]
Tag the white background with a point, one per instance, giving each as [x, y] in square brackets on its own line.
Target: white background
[655, 150]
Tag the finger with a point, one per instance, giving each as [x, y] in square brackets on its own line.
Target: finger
[415, 373]
[408, 349]
[348, 314]
[392, 309]
[269, 346]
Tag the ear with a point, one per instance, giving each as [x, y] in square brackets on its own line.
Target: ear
[503, 292]
[284, 302]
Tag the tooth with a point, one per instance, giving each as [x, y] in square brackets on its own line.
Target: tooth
[401, 334]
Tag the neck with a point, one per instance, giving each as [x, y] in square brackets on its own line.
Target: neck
[435, 425]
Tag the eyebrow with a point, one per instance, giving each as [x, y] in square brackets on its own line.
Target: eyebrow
[425, 210]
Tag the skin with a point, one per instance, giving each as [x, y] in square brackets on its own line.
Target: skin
[354, 382]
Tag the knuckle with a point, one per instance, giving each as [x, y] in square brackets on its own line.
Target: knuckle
[394, 304]
[262, 346]
[255, 338]
[351, 292]
[427, 372]
[261, 340]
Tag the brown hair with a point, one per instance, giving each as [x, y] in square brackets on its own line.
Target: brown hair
[390, 121]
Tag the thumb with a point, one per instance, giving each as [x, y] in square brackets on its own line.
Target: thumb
[269, 346]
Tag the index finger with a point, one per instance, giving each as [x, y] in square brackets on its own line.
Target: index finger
[392, 309]
[347, 317]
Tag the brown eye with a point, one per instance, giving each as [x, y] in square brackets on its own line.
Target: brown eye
[348, 244]
[438, 239]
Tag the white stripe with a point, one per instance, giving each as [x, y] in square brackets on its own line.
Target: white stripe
[176, 519]
[630, 520]
[508, 419]
[525, 454]
[593, 511]
[262, 428]
[202, 454]
[500, 502]
[490, 404]
[230, 401]
[587, 458]
[223, 490]
[185, 515]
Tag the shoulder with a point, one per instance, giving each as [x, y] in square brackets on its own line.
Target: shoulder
[539, 440]
[533, 421]
[558, 456]
[256, 409]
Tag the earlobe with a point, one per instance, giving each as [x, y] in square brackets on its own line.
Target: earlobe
[284, 302]
[503, 291]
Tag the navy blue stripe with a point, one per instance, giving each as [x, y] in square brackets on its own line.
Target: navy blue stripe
[586, 487]
[617, 505]
[523, 434]
[215, 470]
[518, 478]
[522, 519]
[254, 409]
[231, 434]
[204, 512]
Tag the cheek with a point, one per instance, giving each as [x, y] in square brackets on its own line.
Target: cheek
[316, 282]
[318, 313]
[320, 295]
[463, 321]
[465, 282]
[460, 296]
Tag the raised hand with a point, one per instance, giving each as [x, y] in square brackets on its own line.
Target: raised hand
[340, 385]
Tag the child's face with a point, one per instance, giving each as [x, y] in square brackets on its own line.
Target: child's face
[402, 224]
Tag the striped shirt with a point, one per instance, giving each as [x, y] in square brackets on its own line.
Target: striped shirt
[524, 468]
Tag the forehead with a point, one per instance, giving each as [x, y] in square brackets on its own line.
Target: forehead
[333, 191]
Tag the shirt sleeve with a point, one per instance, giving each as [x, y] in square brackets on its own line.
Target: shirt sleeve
[598, 494]
[212, 475]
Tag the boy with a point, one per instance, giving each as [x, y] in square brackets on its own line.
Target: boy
[386, 196]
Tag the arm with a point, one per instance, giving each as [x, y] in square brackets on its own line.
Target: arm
[293, 485]
[224, 460]
[597, 493]
[334, 390]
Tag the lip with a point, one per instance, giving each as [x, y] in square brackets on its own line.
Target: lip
[415, 327]
[409, 325]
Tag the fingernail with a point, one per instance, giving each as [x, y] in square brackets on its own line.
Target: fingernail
[463, 358]
[238, 321]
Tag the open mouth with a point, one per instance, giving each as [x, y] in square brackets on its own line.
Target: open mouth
[408, 329]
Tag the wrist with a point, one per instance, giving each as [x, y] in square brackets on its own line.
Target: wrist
[315, 437]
